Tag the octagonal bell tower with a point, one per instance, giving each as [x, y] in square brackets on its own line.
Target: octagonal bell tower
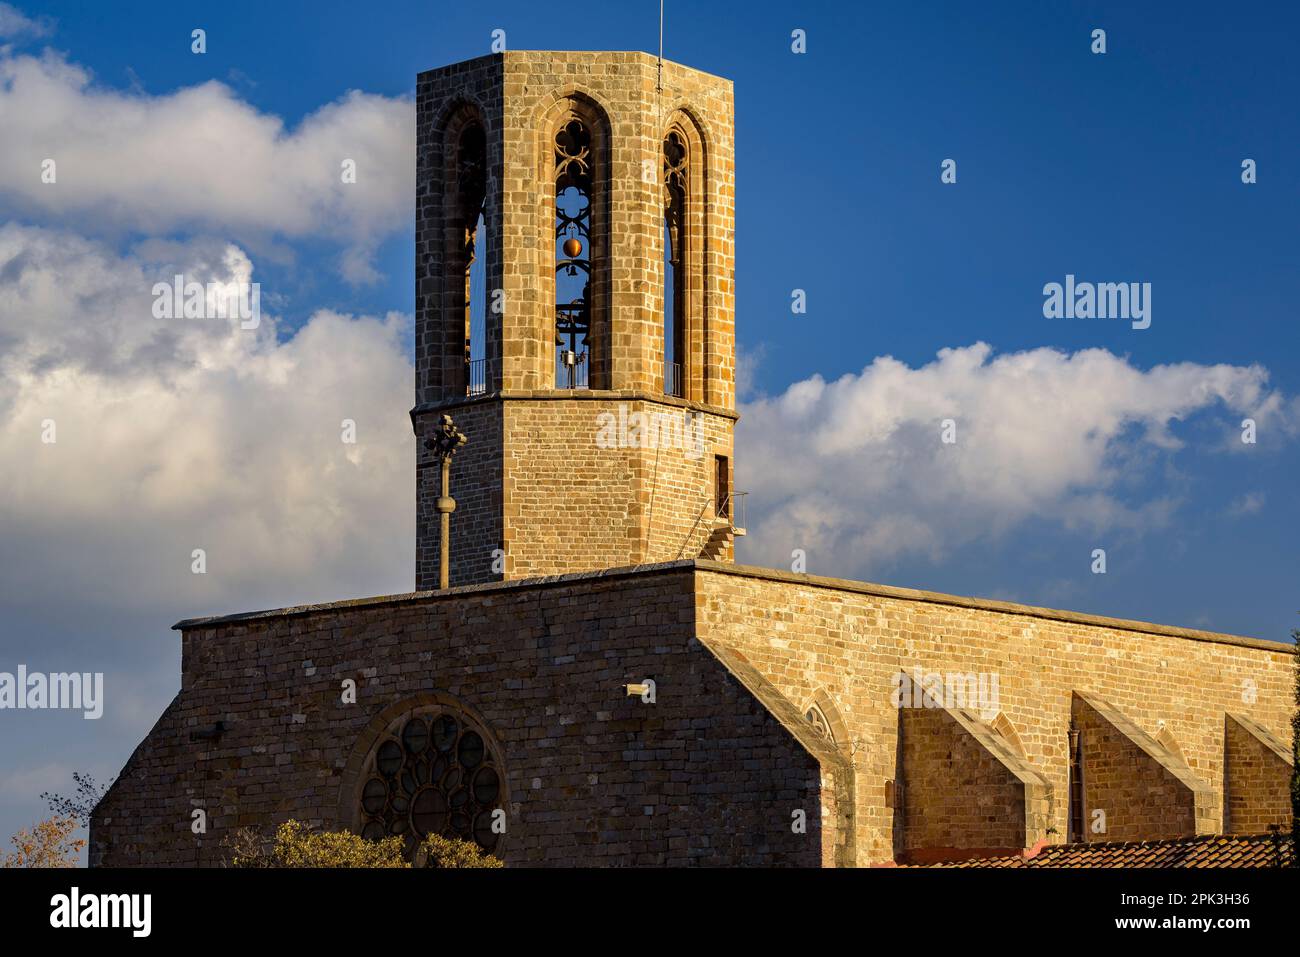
[575, 312]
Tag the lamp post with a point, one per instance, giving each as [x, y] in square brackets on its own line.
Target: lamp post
[444, 443]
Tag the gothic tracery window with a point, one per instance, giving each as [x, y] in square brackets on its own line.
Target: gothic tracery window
[820, 724]
[471, 178]
[433, 773]
[675, 173]
[573, 198]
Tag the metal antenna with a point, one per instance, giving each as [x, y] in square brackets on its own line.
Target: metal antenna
[659, 84]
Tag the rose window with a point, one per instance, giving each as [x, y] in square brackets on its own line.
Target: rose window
[433, 774]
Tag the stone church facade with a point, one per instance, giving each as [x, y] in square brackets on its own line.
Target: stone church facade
[600, 684]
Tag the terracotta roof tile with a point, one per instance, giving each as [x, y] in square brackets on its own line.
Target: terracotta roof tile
[1210, 850]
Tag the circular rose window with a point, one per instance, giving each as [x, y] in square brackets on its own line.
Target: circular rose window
[432, 773]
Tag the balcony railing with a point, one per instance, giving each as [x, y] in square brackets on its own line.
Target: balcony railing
[476, 377]
[571, 369]
[733, 508]
[673, 384]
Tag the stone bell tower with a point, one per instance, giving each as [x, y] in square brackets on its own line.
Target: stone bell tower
[575, 312]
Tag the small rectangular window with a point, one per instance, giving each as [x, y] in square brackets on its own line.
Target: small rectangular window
[722, 485]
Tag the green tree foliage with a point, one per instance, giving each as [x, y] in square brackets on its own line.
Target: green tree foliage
[297, 845]
[439, 851]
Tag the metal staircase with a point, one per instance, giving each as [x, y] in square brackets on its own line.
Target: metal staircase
[728, 525]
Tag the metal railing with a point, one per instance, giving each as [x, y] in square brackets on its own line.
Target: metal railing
[673, 383]
[571, 369]
[733, 508]
[733, 502]
[476, 371]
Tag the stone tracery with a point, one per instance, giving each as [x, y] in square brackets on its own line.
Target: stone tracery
[433, 772]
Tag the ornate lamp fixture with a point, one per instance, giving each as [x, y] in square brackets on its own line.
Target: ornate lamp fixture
[444, 443]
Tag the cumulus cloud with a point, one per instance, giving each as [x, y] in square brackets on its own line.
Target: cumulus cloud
[201, 159]
[177, 434]
[855, 472]
[14, 23]
[748, 361]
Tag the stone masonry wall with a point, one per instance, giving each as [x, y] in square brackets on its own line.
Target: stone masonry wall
[1256, 778]
[571, 505]
[446, 100]
[851, 639]
[704, 776]
[1141, 791]
[539, 88]
[476, 482]
[959, 795]
[561, 504]
[539, 480]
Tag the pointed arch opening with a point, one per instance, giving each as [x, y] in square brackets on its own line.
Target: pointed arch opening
[825, 717]
[577, 151]
[472, 221]
[685, 238]
[676, 174]
[573, 198]
[468, 333]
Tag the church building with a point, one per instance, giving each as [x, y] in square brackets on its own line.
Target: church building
[583, 675]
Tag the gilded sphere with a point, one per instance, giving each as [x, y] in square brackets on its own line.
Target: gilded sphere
[572, 247]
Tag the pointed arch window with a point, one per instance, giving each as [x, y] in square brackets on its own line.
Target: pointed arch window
[471, 179]
[573, 266]
[826, 719]
[817, 718]
[676, 171]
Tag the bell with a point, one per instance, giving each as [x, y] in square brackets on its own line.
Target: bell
[572, 247]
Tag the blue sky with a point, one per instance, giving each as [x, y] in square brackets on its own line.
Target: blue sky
[1117, 167]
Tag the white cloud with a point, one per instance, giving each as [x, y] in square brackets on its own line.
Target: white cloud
[181, 434]
[748, 361]
[27, 783]
[1247, 504]
[14, 23]
[200, 158]
[854, 471]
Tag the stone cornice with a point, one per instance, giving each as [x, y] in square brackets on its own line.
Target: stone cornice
[762, 574]
[571, 395]
[415, 597]
[985, 604]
